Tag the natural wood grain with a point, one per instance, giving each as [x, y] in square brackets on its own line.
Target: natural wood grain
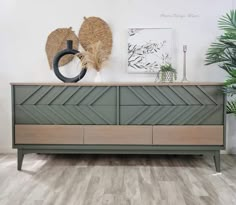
[118, 135]
[188, 135]
[118, 83]
[48, 134]
[117, 180]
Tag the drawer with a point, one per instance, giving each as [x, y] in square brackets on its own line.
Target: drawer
[118, 135]
[64, 95]
[188, 135]
[65, 115]
[172, 115]
[48, 134]
[171, 95]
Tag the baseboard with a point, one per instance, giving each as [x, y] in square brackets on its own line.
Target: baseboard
[232, 150]
[231, 145]
[223, 152]
[7, 150]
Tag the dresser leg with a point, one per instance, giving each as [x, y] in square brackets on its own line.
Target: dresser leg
[20, 157]
[217, 160]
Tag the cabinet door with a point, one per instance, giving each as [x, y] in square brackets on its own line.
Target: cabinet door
[64, 105]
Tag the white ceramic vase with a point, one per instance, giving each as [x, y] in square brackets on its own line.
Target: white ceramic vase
[93, 76]
[98, 77]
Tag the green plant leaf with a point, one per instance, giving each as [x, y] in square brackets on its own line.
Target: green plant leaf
[223, 52]
[231, 107]
[167, 68]
[230, 81]
[228, 22]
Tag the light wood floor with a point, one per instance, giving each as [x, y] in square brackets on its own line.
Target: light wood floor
[117, 180]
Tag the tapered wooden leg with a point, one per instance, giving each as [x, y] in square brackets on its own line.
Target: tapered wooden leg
[20, 157]
[217, 160]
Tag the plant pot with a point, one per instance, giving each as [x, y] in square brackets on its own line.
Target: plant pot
[167, 76]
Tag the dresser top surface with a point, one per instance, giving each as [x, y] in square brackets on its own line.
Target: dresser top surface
[118, 83]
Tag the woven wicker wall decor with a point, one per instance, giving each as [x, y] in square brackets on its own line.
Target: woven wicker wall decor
[56, 42]
[92, 31]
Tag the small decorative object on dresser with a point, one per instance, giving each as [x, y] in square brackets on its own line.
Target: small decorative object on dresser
[126, 118]
[95, 59]
[167, 73]
[59, 55]
[184, 65]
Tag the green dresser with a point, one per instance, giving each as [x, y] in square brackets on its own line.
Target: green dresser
[125, 118]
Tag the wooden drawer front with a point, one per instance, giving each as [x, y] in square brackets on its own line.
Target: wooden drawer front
[171, 95]
[48, 134]
[64, 95]
[172, 115]
[188, 135]
[117, 135]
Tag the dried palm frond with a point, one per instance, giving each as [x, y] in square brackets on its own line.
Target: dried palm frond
[56, 42]
[93, 30]
[94, 57]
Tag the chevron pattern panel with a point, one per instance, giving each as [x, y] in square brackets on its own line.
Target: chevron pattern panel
[65, 105]
[65, 95]
[114, 105]
[171, 105]
[171, 115]
[171, 95]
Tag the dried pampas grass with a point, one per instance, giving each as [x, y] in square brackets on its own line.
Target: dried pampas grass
[94, 57]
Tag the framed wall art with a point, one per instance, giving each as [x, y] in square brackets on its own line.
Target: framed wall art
[148, 49]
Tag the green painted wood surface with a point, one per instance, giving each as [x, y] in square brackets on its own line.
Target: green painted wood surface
[65, 115]
[121, 147]
[119, 105]
[137, 151]
[65, 105]
[65, 95]
[171, 115]
[171, 95]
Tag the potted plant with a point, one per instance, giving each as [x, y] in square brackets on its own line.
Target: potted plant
[223, 52]
[167, 73]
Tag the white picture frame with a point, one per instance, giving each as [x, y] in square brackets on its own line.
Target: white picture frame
[148, 49]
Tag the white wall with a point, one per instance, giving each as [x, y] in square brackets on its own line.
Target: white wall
[25, 25]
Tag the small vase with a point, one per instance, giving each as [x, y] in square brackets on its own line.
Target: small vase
[59, 55]
[98, 77]
[93, 75]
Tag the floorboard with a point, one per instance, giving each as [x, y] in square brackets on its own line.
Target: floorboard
[117, 180]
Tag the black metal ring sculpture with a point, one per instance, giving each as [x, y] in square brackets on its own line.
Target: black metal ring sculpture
[59, 55]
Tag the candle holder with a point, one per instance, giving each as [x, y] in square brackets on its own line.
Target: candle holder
[184, 66]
